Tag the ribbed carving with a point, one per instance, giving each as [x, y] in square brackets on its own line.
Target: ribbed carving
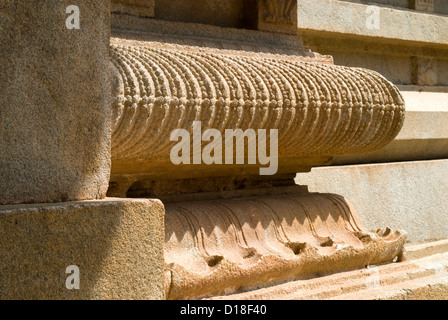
[225, 246]
[319, 109]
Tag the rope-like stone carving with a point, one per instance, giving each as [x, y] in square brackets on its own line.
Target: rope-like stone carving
[318, 109]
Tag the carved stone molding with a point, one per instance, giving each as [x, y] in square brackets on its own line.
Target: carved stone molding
[278, 15]
[320, 110]
[226, 246]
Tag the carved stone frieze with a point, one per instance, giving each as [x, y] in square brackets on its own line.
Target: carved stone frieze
[227, 246]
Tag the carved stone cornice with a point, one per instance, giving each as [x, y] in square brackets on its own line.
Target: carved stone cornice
[226, 246]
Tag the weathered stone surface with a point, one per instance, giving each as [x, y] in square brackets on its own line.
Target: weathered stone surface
[141, 8]
[223, 234]
[223, 246]
[423, 136]
[215, 12]
[116, 244]
[145, 186]
[424, 71]
[319, 109]
[419, 251]
[407, 195]
[393, 60]
[422, 279]
[277, 16]
[54, 101]
[209, 36]
[437, 6]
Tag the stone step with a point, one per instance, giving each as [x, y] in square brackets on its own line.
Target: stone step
[423, 278]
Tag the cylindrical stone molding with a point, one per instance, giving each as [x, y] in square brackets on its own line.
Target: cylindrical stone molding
[320, 110]
[54, 100]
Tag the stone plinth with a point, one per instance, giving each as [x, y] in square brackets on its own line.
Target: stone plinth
[116, 244]
[54, 107]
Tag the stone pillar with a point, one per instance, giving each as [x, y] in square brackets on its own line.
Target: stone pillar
[54, 108]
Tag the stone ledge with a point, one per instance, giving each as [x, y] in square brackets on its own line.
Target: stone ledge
[223, 246]
[349, 20]
[117, 244]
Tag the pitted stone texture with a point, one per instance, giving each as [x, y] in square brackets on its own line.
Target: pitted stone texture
[226, 246]
[54, 107]
[116, 244]
[320, 110]
[424, 71]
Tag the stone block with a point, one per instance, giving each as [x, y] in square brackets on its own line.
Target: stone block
[235, 245]
[116, 244]
[312, 124]
[423, 279]
[402, 195]
[54, 101]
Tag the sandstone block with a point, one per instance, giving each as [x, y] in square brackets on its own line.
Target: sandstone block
[117, 245]
[54, 107]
